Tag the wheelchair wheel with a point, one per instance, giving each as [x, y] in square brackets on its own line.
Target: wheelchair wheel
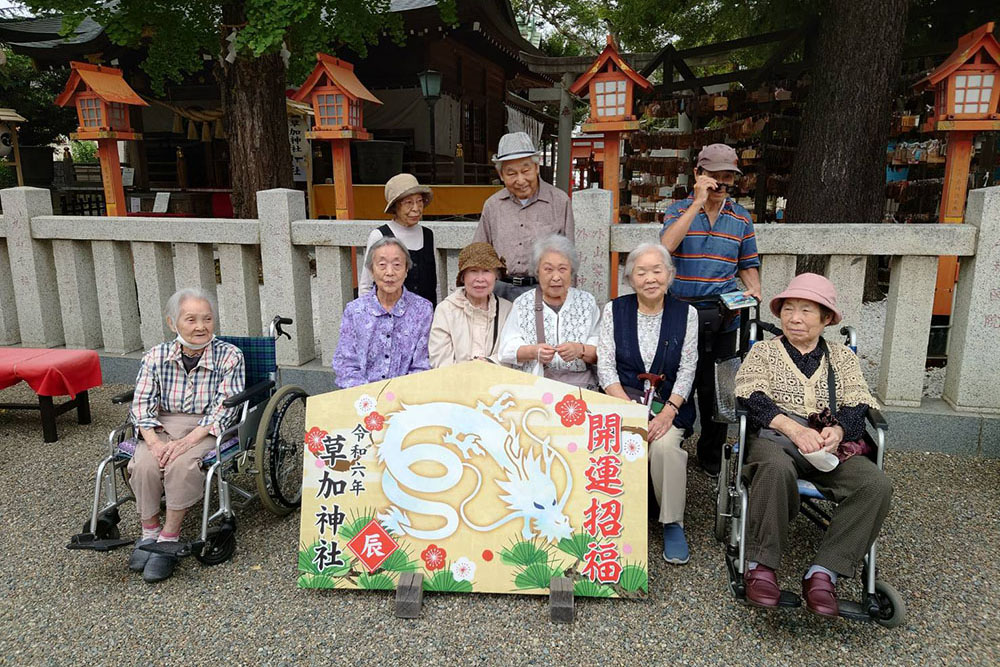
[220, 544]
[278, 450]
[892, 609]
[723, 502]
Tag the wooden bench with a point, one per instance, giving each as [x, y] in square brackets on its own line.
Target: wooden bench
[51, 373]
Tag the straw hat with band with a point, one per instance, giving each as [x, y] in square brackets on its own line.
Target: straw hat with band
[478, 256]
[811, 287]
[401, 186]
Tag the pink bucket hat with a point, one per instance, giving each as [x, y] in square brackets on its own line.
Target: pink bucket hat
[812, 287]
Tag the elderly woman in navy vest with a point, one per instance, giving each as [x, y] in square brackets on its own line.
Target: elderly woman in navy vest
[405, 200]
[651, 333]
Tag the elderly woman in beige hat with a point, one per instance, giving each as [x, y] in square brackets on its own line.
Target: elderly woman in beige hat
[467, 324]
[796, 414]
[405, 199]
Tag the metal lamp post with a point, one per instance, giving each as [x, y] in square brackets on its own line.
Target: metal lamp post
[430, 86]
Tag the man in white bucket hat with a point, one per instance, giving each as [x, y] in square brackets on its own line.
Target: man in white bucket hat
[526, 209]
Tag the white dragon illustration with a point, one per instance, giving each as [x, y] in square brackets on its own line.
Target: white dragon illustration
[529, 491]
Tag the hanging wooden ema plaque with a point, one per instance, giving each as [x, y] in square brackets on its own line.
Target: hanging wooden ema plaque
[479, 477]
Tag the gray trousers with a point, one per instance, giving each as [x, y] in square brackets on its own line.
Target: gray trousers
[510, 292]
[861, 490]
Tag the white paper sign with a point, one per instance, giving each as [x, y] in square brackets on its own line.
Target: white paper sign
[161, 202]
[134, 204]
[128, 176]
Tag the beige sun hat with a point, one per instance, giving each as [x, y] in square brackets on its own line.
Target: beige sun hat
[401, 186]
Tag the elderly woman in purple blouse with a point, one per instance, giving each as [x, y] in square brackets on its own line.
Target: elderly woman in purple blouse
[383, 334]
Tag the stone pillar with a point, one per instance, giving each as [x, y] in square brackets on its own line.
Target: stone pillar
[154, 273]
[972, 382]
[194, 266]
[847, 273]
[116, 297]
[78, 293]
[333, 280]
[592, 215]
[776, 271]
[32, 268]
[239, 291]
[286, 270]
[9, 331]
[907, 328]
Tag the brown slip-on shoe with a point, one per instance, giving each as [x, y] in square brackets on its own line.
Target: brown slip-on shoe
[821, 595]
[761, 587]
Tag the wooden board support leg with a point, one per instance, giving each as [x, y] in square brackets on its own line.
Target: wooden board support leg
[561, 607]
[409, 595]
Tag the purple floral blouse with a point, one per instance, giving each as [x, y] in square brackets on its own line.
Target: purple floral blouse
[377, 345]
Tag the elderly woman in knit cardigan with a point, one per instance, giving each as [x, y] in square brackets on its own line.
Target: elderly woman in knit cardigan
[797, 432]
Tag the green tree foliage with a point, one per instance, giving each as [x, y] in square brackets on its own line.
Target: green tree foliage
[30, 93]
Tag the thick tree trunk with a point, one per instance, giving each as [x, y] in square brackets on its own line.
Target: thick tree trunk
[256, 121]
[839, 170]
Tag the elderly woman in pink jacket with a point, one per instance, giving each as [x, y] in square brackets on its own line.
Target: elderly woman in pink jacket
[467, 324]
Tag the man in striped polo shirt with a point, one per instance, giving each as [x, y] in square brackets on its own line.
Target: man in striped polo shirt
[712, 241]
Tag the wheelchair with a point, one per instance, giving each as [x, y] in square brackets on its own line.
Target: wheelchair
[266, 441]
[879, 601]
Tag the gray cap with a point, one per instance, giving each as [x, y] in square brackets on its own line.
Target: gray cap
[514, 146]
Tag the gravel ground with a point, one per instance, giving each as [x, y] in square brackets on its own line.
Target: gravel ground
[63, 607]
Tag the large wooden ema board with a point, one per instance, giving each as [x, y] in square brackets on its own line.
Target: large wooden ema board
[480, 478]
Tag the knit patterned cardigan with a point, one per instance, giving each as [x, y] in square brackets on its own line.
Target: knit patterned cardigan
[769, 369]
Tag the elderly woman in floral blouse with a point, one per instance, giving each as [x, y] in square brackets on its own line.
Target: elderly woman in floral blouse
[651, 332]
[383, 334]
[564, 347]
[178, 408]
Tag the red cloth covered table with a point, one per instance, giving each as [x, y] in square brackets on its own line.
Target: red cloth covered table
[51, 373]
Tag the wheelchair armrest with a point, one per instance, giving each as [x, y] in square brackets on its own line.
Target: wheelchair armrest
[125, 397]
[248, 393]
[876, 419]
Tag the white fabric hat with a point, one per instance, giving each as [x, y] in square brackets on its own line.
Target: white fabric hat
[514, 146]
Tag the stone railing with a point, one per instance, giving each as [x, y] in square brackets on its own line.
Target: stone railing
[101, 283]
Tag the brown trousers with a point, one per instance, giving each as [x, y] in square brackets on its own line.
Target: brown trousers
[861, 490]
[182, 481]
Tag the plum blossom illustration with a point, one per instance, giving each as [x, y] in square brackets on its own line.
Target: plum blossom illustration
[433, 557]
[632, 447]
[571, 410]
[374, 421]
[314, 440]
[463, 569]
[365, 404]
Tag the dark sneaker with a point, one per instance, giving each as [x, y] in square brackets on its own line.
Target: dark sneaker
[675, 546]
[137, 563]
[158, 568]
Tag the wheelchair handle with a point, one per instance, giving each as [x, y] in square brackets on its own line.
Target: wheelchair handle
[276, 330]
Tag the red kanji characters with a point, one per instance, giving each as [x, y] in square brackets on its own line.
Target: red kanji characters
[601, 563]
[603, 518]
[606, 433]
[604, 475]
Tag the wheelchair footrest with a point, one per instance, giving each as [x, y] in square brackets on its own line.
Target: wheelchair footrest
[175, 549]
[789, 599]
[90, 541]
[852, 611]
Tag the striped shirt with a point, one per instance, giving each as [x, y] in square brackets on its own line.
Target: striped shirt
[709, 257]
[164, 386]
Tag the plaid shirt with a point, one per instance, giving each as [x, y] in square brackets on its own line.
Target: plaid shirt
[163, 386]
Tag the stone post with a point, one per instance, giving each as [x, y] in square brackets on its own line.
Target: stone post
[592, 216]
[847, 273]
[154, 273]
[333, 280]
[9, 331]
[116, 297]
[194, 266]
[286, 271]
[972, 380]
[239, 291]
[78, 294]
[907, 328]
[32, 269]
[776, 271]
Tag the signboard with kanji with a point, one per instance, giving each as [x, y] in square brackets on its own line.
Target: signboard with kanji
[482, 478]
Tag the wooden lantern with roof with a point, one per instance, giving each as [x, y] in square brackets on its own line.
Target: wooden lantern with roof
[966, 101]
[610, 84]
[337, 97]
[10, 153]
[102, 99]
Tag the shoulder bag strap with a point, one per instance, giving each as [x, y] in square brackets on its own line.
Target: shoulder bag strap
[831, 379]
[539, 317]
[496, 323]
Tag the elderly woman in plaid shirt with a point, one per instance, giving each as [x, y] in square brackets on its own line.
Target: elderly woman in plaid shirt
[178, 410]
